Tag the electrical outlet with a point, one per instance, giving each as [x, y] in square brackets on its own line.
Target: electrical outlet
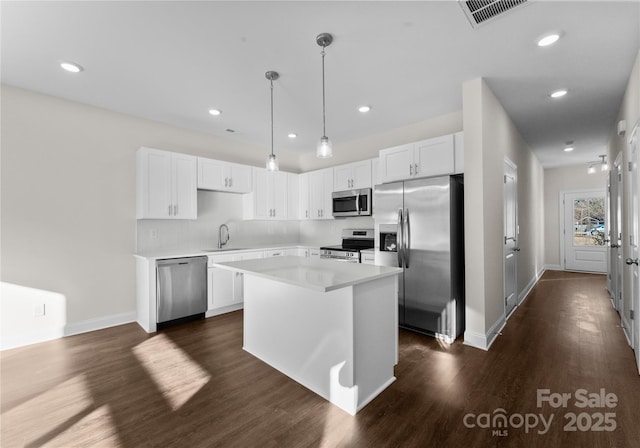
[38, 310]
[153, 233]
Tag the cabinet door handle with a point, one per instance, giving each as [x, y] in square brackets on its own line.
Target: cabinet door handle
[416, 168]
[175, 210]
[306, 213]
[169, 211]
[230, 181]
[411, 169]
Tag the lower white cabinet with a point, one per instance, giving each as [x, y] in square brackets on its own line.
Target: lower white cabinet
[309, 252]
[274, 253]
[368, 257]
[224, 288]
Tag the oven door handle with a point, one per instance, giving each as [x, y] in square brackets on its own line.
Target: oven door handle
[358, 202]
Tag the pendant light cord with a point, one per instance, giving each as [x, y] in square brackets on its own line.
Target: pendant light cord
[271, 117]
[324, 131]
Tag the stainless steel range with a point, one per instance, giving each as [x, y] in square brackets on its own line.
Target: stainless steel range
[353, 241]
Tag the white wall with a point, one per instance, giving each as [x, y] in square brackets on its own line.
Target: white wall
[555, 181]
[630, 112]
[490, 135]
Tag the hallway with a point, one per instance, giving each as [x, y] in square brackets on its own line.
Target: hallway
[194, 386]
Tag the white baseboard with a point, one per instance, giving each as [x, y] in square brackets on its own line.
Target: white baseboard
[552, 267]
[224, 310]
[33, 337]
[527, 289]
[484, 341]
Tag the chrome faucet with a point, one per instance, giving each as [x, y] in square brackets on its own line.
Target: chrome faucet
[226, 240]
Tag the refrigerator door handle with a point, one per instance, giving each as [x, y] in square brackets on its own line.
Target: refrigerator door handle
[399, 237]
[407, 241]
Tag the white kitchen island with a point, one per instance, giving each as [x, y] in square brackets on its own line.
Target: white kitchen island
[330, 326]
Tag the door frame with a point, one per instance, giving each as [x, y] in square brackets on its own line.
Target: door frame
[561, 212]
[634, 226]
[510, 168]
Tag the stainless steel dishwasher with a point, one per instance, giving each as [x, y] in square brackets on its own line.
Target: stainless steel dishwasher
[181, 290]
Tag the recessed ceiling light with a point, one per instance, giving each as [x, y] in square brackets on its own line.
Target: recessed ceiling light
[364, 109]
[71, 67]
[292, 135]
[568, 148]
[549, 39]
[215, 112]
[558, 93]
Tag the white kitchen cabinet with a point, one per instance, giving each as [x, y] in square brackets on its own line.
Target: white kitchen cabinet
[426, 158]
[221, 283]
[367, 257]
[274, 253]
[434, 157]
[352, 176]
[303, 196]
[375, 170]
[166, 185]
[320, 189]
[306, 252]
[293, 196]
[217, 175]
[270, 197]
[225, 288]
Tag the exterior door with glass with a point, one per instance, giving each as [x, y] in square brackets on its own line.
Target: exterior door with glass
[584, 231]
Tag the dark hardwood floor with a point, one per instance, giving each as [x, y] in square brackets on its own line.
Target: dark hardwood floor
[194, 386]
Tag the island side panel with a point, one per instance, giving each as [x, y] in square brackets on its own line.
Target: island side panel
[303, 333]
[375, 337]
[146, 294]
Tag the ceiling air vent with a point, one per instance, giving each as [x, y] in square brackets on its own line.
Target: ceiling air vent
[480, 12]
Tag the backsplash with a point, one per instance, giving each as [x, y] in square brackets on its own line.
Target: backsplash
[329, 232]
[216, 208]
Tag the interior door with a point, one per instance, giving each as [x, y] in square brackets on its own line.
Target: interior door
[616, 238]
[584, 231]
[511, 248]
[632, 261]
[613, 236]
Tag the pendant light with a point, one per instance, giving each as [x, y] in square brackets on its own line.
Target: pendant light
[603, 164]
[272, 161]
[325, 149]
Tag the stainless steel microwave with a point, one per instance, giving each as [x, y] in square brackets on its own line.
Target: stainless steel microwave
[352, 203]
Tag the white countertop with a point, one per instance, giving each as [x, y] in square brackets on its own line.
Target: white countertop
[213, 251]
[320, 275]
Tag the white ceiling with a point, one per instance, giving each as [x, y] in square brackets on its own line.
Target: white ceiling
[173, 61]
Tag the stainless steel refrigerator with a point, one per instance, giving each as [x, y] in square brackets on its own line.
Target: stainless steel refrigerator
[419, 227]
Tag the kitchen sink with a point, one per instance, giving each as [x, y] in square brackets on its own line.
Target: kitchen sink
[224, 249]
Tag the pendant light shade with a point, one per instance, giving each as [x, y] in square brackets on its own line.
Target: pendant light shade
[272, 161]
[325, 148]
[603, 164]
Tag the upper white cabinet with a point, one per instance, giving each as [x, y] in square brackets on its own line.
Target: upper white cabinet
[352, 176]
[303, 196]
[320, 189]
[432, 157]
[270, 196]
[166, 185]
[223, 176]
[293, 196]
